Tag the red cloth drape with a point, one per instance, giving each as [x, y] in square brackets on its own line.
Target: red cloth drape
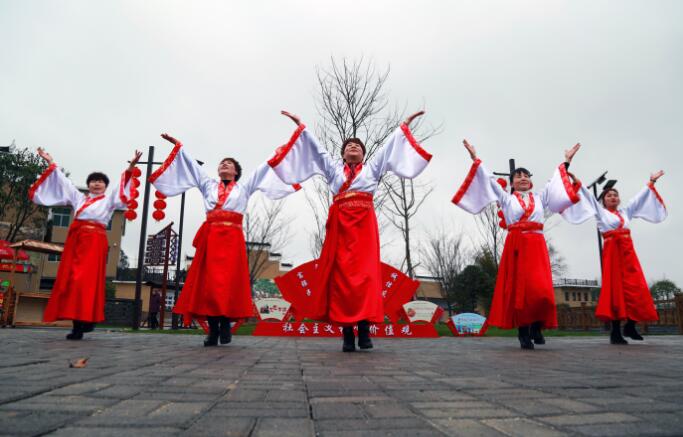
[347, 282]
[625, 293]
[78, 292]
[524, 286]
[217, 283]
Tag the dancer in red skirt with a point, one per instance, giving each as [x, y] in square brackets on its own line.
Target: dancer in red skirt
[524, 296]
[348, 284]
[625, 294]
[217, 285]
[78, 292]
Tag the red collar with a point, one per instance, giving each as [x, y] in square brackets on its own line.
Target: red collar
[223, 193]
[528, 209]
[350, 175]
[88, 201]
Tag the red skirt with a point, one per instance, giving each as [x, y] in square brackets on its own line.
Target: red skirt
[524, 286]
[348, 280]
[78, 292]
[217, 283]
[624, 294]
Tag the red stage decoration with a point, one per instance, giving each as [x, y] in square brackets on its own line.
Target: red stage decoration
[159, 206]
[130, 213]
[397, 290]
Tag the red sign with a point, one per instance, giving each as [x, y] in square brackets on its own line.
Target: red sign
[318, 329]
[19, 268]
[295, 286]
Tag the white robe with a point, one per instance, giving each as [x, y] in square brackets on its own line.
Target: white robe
[647, 204]
[53, 188]
[481, 189]
[302, 157]
[180, 172]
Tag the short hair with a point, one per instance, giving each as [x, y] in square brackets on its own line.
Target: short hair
[238, 167]
[97, 176]
[352, 140]
[522, 170]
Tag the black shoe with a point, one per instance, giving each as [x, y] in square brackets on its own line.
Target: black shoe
[225, 336]
[349, 339]
[630, 331]
[87, 327]
[364, 341]
[536, 333]
[212, 338]
[615, 336]
[75, 335]
[524, 337]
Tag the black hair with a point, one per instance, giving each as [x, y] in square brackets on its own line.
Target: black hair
[604, 193]
[522, 170]
[238, 167]
[352, 140]
[97, 176]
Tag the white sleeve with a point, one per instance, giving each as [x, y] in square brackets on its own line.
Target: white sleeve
[559, 193]
[119, 199]
[586, 208]
[53, 188]
[401, 154]
[301, 158]
[479, 190]
[648, 205]
[265, 180]
[179, 173]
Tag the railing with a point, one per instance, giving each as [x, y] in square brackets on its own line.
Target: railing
[576, 282]
[156, 275]
[670, 313]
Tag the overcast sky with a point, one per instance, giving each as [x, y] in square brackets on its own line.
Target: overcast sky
[92, 81]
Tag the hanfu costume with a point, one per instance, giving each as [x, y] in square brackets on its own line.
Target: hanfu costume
[347, 285]
[523, 294]
[217, 283]
[78, 293]
[624, 294]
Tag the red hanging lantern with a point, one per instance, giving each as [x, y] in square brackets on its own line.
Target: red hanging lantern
[130, 215]
[160, 204]
[135, 182]
[132, 204]
[137, 172]
[134, 194]
[158, 215]
[159, 195]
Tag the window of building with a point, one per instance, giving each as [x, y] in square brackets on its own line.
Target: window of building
[585, 297]
[566, 296]
[54, 257]
[574, 296]
[61, 217]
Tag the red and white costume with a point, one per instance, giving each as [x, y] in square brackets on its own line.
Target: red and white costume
[524, 285]
[348, 283]
[217, 283]
[625, 293]
[78, 292]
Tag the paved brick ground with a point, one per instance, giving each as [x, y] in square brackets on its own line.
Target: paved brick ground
[159, 385]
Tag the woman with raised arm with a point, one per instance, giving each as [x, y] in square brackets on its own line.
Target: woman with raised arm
[347, 286]
[78, 292]
[217, 285]
[524, 295]
[625, 294]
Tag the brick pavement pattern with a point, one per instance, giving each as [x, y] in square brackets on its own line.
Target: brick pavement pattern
[164, 385]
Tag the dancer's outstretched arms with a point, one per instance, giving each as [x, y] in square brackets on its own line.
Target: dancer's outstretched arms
[53, 188]
[180, 172]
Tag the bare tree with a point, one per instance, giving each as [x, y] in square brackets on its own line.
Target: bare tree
[266, 230]
[444, 257]
[492, 235]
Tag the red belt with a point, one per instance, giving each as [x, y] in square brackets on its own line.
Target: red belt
[617, 233]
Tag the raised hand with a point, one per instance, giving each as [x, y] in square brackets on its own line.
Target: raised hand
[136, 158]
[569, 154]
[46, 156]
[292, 117]
[412, 117]
[470, 148]
[655, 176]
[169, 138]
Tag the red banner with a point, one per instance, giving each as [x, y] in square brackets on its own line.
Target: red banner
[295, 286]
[19, 268]
[316, 329]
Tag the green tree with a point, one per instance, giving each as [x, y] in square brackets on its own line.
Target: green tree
[18, 171]
[471, 285]
[664, 289]
[489, 267]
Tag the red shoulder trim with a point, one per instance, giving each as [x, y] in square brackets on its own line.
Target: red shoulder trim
[282, 151]
[48, 171]
[413, 142]
[169, 159]
[654, 190]
[568, 186]
[296, 187]
[468, 181]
